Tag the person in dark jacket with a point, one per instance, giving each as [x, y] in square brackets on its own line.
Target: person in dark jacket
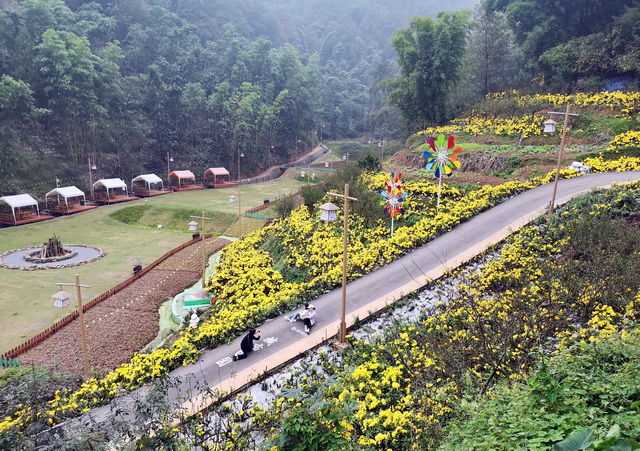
[247, 344]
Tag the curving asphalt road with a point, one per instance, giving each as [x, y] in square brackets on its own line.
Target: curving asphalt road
[283, 341]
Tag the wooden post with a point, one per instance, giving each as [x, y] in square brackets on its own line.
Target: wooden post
[83, 337]
[555, 183]
[345, 241]
[204, 251]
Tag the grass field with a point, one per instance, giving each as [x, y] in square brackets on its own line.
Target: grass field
[25, 296]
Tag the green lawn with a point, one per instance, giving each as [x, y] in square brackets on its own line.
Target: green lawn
[25, 299]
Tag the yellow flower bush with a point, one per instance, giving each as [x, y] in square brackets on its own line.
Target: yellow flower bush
[630, 138]
[531, 125]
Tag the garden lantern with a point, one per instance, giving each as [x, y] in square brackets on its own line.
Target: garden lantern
[328, 212]
[193, 226]
[549, 126]
[61, 299]
[326, 164]
[232, 198]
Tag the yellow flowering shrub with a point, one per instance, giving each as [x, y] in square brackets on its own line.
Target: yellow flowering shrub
[630, 138]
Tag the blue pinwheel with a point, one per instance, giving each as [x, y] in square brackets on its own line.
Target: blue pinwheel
[441, 154]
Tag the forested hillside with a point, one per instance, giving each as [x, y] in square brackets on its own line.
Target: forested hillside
[133, 84]
[130, 84]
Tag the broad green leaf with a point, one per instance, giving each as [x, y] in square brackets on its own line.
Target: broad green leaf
[576, 441]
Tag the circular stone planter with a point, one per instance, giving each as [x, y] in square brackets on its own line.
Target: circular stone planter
[23, 259]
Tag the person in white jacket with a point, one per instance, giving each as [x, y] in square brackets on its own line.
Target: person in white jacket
[309, 319]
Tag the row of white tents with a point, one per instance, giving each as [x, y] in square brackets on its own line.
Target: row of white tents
[67, 193]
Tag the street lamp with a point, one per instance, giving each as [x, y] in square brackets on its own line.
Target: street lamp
[83, 337]
[92, 167]
[564, 134]
[193, 226]
[328, 214]
[240, 155]
[169, 160]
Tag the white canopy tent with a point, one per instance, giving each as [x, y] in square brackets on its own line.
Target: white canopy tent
[148, 179]
[110, 184]
[67, 192]
[19, 201]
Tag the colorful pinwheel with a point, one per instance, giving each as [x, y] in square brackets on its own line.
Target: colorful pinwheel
[394, 197]
[442, 155]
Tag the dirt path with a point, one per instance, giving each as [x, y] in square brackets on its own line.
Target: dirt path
[124, 323]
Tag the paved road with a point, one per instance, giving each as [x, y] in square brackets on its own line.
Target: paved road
[283, 341]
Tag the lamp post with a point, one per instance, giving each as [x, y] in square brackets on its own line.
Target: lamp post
[240, 155]
[345, 236]
[564, 134]
[83, 337]
[92, 167]
[169, 160]
[193, 226]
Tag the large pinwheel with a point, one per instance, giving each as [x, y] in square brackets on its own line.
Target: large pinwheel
[441, 154]
[394, 197]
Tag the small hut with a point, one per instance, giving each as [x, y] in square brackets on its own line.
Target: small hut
[110, 190]
[217, 178]
[146, 184]
[181, 180]
[17, 208]
[66, 199]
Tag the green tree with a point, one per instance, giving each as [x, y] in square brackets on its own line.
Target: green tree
[430, 55]
[492, 54]
[42, 15]
[539, 25]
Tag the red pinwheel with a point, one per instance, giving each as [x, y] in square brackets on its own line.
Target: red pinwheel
[394, 197]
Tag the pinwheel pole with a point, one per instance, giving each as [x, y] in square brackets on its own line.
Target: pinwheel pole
[439, 189]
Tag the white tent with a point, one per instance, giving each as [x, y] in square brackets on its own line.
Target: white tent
[148, 179]
[18, 201]
[67, 192]
[110, 184]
